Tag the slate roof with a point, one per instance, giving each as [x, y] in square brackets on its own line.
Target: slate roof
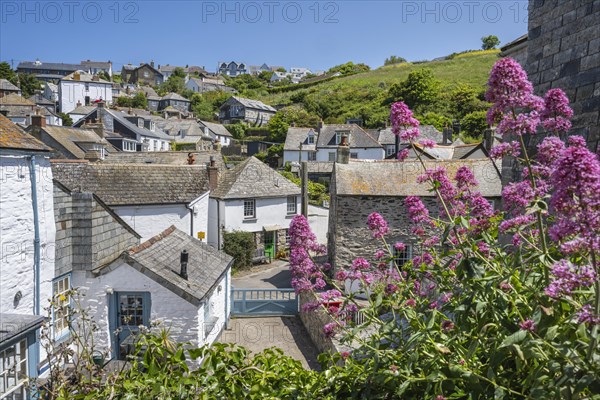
[217, 129]
[85, 77]
[40, 100]
[386, 136]
[121, 118]
[97, 64]
[174, 96]
[49, 66]
[82, 110]
[134, 184]
[255, 104]
[14, 99]
[158, 258]
[6, 85]
[13, 325]
[296, 136]
[69, 138]
[148, 91]
[358, 137]
[253, 179]
[452, 151]
[163, 157]
[398, 179]
[14, 138]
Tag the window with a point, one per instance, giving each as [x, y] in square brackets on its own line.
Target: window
[60, 307]
[353, 155]
[390, 149]
[287, 236]
[146, 74]
[312, 156]
[13, 371]
[87, 87]
[402, 257]
[332, 156]
[250, 208]
[311, 139]
[338, 137]
[291, 205]
[129, 145]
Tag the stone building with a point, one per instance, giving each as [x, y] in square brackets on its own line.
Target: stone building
[359, 188]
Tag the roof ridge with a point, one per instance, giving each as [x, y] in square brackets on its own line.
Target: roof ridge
[152, 240]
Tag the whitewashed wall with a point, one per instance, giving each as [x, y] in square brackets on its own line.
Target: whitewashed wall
[151, 220]
[200, 217]
[269, 211]
[17, 233]
[70, 92]
[225, 140]
[292, 155]
[318, 220]
[363, 154]
[220, 301]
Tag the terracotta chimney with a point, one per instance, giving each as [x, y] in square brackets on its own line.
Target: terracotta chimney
[213, 174]
[38, 121]
[343, 151]
[76, 76]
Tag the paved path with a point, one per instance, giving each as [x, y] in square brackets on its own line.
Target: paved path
[274, 275]
[286, 333]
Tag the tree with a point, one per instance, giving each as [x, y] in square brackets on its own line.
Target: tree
[28, 84]
[288, 116]
[489, 42]
[419, 90]
[474, 124]
[6, 71]
[462, 100]
[205, 106]
[394, 60]
[238, 131]
[104, 75]
[66, 119]
[241, 246]
[139, 100]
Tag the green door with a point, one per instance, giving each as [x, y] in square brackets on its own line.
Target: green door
[270, 245]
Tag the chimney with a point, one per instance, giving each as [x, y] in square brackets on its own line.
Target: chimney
[320, 126]
[76, 76]
[183, 260]
[447, 136]
[213, 174]
[95, 78]
[488, 139]
[38, 121]
[78, 103]
[96, 127]
[92, 155]
[343, 151]
[152, 63]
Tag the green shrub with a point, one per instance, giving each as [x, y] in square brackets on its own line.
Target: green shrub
[241, 246]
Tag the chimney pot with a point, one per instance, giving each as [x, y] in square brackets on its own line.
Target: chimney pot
[38, 121]
[183, 260]
[343, 151]
[213, 174]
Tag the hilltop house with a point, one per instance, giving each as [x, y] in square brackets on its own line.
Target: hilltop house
[149, 198]
[217, 132]
[125, 132]
[253, 112]
[308, 144]
[71, 143]
[252, 197]
[51, 91]
[27, 234]
[7, 88]
[80, 112]
[82, 88]
[144, 74]
[20, 110]
[95, 67]
[176, 101]
[172, 279]
[360, 188]
[231, 69]
[48, 72]
[203, 84]
[39, 100]
[387, 139]
[257, 69]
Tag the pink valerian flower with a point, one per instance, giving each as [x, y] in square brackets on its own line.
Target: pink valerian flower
[586, 316]
[522, 124]
[518, 194]
[403, 154]
[377, 225]
[330, 329]
[306, 275]
[390, 289]
[310, 306]
[549, 150]
[409, 134]
[341, 275]
[360, 264]
[528, 325]
[556, 113]
[379, 254]
[447, 325]
[416, 209]
[521, 220]
[568, 277]
[399, 246]
[446, 297]
[431, 241]
[402, 118]
[330, 295]
[445, 187]
[464, 178]
[483, 248]
[440, 397]
[344, 354]
[575, 200]
[427, 143]
[410, 303]
[506, 149]
[427, 258]
[505, 286]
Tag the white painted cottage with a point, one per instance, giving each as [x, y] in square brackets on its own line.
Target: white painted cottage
[148, 197]
[155, 282]
[217, 132]
[27, 237]
[252, 197]
[81, 88]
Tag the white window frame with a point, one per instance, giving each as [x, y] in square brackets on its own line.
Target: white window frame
[292, 205]
[250, 208]
[60, 305]
[128, 145]
[15, 369]
[311, 139]
[332, 156]
[390, 149]
[312, 156]
[338, 137]
[400, 261]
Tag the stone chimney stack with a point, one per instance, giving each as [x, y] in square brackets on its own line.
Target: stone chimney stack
[488, 139]
[183, 260]
[343, 151]
[447, 136]
[38, 121]
[320, 126]
[213, 174]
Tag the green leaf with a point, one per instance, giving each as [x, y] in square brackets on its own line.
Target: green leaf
[515, 338]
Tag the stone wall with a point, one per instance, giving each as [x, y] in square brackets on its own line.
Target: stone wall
[88, 233]
[564, 51]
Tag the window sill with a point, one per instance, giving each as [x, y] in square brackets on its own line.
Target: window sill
[249, 219]
[291, 215]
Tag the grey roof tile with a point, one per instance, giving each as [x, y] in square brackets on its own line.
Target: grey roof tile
[358, 137]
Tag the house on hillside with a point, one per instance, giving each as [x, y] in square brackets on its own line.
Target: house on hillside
[20, 111]
[387, 139]
[321, 144]
[95, 67]
[360, 188]
[144, 74]
[217, 132]
[7, 88]
[252, 197]
[231, 69]
[124, 131]
[82, 88]
[27, 234]
[39, 100]
[253, 112]
[51, 92]
[203, 84]
[72, 143]
[48, 71]
[174, 100]
[149, 198]
[80, 112]
[171, 279]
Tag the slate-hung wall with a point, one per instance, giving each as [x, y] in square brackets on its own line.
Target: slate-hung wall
[564, 52]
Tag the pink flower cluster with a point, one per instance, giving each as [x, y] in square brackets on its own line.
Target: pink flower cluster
[568, 278]
[306, 274]
[506, 149]
[377, 225]
[404, 124]
[586, 316]
[556, 113]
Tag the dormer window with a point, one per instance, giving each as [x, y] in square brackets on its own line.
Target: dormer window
[338, 137]
[311, 138]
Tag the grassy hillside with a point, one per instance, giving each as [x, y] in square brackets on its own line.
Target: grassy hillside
[362, 95]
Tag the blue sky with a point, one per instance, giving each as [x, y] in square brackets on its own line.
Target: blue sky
[310, 34]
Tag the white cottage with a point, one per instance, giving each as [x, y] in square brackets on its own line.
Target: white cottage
[27, 237]
[173, 279]
[217, 132]
[81, 88]
[148, 197]
[254, 198]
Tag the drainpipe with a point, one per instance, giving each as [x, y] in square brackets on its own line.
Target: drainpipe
[36, 239]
